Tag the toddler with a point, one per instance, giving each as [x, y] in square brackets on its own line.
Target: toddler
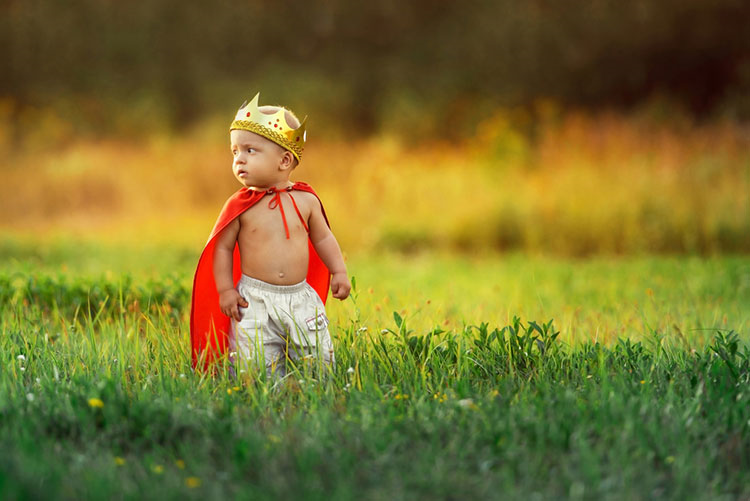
[263, 277]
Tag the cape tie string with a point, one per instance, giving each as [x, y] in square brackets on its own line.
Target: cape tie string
[276, 202]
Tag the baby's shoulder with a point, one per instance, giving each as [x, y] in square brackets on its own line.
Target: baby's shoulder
[305, 197]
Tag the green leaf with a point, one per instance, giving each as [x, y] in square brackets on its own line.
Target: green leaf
[397, 318]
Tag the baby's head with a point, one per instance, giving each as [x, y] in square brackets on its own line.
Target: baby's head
[273, 123]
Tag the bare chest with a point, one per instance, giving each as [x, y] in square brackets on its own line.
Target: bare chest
[269, 219]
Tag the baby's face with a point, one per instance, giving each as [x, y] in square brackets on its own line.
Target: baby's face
[257, 161]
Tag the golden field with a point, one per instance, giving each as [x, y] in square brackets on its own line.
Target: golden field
[552, 182]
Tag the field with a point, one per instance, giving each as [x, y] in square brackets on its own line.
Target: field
[554, 307]
[544, 208]
[623, 378]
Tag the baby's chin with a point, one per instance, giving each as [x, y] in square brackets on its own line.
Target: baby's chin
[251, 186]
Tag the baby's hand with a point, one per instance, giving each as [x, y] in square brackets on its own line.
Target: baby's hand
[340, 285]
[230, 301]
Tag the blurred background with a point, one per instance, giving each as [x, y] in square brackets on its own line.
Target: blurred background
[571, 128]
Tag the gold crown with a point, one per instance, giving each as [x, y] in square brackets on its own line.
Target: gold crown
[273, 127]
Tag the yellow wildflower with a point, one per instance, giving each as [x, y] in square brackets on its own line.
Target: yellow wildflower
[193, 482]
[180, 464]
[119, 461]
[158, 469]
[96, 403]
[229, 391]
[236, 388]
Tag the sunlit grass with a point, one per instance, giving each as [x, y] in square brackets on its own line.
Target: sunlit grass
[460, 369]
[567, 184]
[598, 299]
[100, 400]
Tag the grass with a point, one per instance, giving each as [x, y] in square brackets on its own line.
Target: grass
[565, 183]
[97, 399]
[599, 299]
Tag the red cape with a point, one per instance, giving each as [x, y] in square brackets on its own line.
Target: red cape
[209, 327]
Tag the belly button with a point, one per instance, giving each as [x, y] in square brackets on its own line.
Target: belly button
[281, 274]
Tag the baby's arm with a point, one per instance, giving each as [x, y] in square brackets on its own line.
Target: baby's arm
[329, 251]
[229, 298]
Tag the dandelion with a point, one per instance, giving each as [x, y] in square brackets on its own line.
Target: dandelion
[95, 403]
[401, 397]
[21, 358]
[180, 464]
[119, 461]
[350, 370]
[158, 469]
[669, 459]
[30, 397]
[643, 381]
[193, 482]
[229, 391]
[23, 369]
[236, 388]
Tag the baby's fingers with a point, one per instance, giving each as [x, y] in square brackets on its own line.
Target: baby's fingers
[235, 313]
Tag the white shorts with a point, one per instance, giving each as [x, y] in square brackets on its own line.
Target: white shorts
[282, 326]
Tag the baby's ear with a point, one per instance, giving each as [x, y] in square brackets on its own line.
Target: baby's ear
[287, 160]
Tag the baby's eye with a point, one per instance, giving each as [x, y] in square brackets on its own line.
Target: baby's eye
[251, 150]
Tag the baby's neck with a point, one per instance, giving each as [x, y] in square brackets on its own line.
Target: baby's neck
[278, 186]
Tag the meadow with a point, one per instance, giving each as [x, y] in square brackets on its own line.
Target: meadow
[556, 307]
[623, 378]
[539, 181]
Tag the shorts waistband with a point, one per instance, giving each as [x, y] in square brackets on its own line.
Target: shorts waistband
[248, 281]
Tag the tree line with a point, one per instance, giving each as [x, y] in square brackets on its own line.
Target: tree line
[363, 62]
